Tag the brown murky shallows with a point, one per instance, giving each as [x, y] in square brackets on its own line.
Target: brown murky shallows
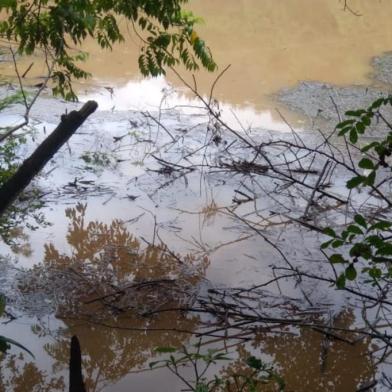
[270, 45]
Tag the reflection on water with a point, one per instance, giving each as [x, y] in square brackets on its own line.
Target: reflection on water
[109, 353]
[103, 284]
[108, 269]
[20, 244]
[27, 378]
[113, 346]
[310, 361]
[306, 360]
[158, 93]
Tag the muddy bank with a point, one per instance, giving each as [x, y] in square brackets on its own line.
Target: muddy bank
[325, 103]
[382, 66]
[319, 100]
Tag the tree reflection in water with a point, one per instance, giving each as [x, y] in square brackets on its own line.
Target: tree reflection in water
[310, 361]
[107, 259]
[115, 341]
[109, 271]
[27, 378]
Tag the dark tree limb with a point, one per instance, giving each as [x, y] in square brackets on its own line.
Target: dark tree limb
[44, 152]
[76, 383]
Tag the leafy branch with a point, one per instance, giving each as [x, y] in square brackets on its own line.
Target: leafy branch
[255, 374]
[364, 240]
[58, 26]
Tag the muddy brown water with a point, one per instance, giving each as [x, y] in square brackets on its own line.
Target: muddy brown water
[271, 45]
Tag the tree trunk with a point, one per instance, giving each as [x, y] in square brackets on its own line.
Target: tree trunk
[44, 152]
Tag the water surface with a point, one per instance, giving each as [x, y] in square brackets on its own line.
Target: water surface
[271, 45]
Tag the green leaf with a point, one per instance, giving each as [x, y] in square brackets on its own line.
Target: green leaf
[381, 225]
[354, 229]
[375, 273]
[377, 103]
[360, 220]
[222, 357]
[7, 3]
[381, 259]
[353, 136]
[366, 163]
[341, 281]
[326, 244]
[354, 182]
[375, 241]
[360, 127]
[337, 258]
[351, 272]
[337, 243]
[2, 304]
[366, 120]
[385, 249]
[369, 180]
[345, 130]
[355, 113]
[10, 100]
[330, 232]
[254, 363]
[345, 235]
[369, 146]
[361, 250]
[163, 350]
[343, 124]
[201, 387]
[33, 27]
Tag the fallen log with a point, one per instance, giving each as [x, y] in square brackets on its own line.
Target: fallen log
[44, 152]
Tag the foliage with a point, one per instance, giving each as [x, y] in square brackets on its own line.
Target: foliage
[9, 162]
[5, 343]
[366, 239]
[96, 160]
[9, 158]
[168, 33]
[356, 126]
[255, 375]
[10, 100]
